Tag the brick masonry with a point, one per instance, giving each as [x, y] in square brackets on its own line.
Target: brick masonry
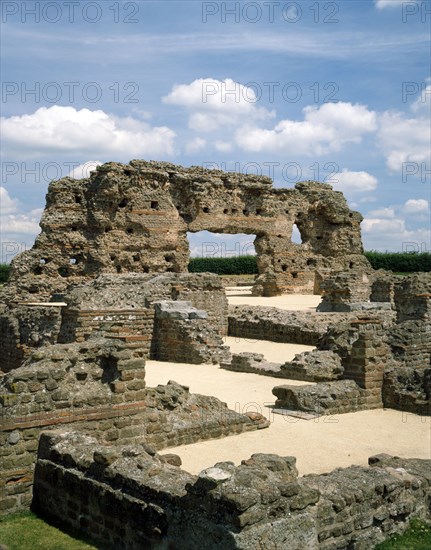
[98, 387]
[134, 219]
[261, 503]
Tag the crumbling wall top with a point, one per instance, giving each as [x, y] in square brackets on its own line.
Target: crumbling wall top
[135, 218]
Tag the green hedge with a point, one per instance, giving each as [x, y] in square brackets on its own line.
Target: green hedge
[403, 262]
[4, 272]
[240, 265]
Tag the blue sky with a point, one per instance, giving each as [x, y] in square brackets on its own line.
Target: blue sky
[334, 91]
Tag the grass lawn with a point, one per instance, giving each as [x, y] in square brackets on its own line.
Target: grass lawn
[417, 537]
[28, 532]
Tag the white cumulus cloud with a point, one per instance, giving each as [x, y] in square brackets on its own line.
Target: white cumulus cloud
[195, 145]
[415, 206]
[379, 225]
[386, 213]
[348, 181]
[223, 146]
[21, 224]
[17, 228]
[83, 170]
[13, 220]
[404, 139]
[71, 131]
[423, 102]
[213, 104]
[381, 231]
[324, 129]
[8, 205]
[381, 4]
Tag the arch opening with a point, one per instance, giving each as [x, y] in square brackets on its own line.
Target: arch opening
[206, 244]
[296, 235]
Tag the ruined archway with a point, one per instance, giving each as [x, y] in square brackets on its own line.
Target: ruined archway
[135, 218]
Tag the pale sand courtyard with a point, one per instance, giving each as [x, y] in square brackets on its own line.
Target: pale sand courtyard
[291, 302]
[320, 444]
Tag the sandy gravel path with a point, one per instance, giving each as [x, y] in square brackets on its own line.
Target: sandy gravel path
[319, 445]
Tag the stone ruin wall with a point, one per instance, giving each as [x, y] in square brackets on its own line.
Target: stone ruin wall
[81, 364]
[134, 219]
[279, 325]
[123, 304]
[183, 334]
[262, 503]
[32, 397]
[114, 248]
[365, 359]
[98, 387]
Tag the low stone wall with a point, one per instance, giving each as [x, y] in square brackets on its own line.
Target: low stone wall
[235, 280]
[168, 417]
[408, 389]
[314, 366]
[342, 289]
[310, 366]
[410, 343]
[19, 442]
[412, 296]
[362, 366]
[410, 339]
[137, 291]
[341, 396]
[66, 376]
[382, 286]
[12, 353]
[91, 385]
[278, 325]
[252, 362]
[98, 387]
[79, 325]
[25, 328]
[183, 334]
[121, 304]
[129, 499]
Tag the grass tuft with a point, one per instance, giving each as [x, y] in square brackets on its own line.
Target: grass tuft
[26, 531]
[417, 537]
